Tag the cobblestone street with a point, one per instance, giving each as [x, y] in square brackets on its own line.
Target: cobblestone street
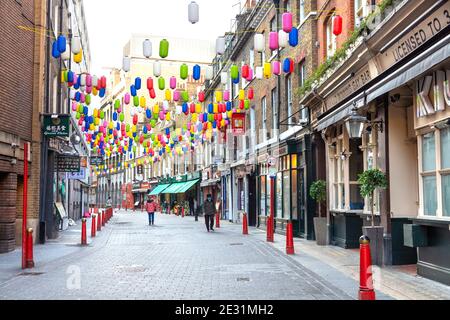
[175, 259]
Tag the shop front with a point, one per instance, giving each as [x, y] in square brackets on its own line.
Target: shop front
[180, 193]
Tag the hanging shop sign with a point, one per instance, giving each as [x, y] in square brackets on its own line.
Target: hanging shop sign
[56, 125]
[238, 124]
[68, 163]
[96, 161]
[83, 162]
[81, 175]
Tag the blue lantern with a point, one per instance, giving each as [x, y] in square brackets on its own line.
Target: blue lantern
[137, 83]
[145, 130]
[77, 96]
[287, 65]
[55, 52]
[293, 37]
[86, 110]
[62, 43]
[102, 92]
[196, 73]
[229, 106]
[133, 90]
[70, 76]
[185, 107]
[236, 81]
[118, 126]
[210, 108]
[148, 113]
[115, 116]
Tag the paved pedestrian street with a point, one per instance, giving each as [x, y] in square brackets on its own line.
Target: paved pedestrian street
[175, 259]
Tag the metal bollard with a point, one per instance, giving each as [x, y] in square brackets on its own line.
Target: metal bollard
[83, 232]
[29, 241]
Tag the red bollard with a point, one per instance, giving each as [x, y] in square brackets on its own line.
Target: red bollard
[83, 232]
[244, 224]
[366, 291]
[93, 227]
[99, 221]
[29, 243]
[103, 218]
[289, 239]
[218, 220]
[270, 229]
[182, 212]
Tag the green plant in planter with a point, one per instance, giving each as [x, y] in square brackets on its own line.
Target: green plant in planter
[318, 192]
[370, 180]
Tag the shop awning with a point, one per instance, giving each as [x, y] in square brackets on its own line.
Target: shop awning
[187, 185]
[160, 188]
[173, 188]
[180, 187]
[413, 69]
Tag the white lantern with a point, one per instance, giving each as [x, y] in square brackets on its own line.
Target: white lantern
[283, 39]
[224, 78]
[220, 45]
[83, 80]
[259, 74]
[72, 94]
[65, 55]
[94, 81]
[147, 48]
[126, 64]
[209, 73]
[193, 12]
[165, 105]
[75, 45]
[157, 69]
[133, 111]
[259, 42]
[179, 110]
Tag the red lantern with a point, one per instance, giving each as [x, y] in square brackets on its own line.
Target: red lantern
[337, 25]
[245, 71]
[192, 107]
[149, 83]
[251, 94]
[141, 140]
[201, 96]
[152, 93]
[103, 82]
[135, 119]
[241, 104]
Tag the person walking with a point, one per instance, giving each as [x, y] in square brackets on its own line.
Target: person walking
[191, 206]
[209, 211]
[150, 207]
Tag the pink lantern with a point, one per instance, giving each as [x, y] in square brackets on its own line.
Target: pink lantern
[74, 106]
[276, 67]
[273, 40]
[287, 22]
[226, 95]
[82, 98]
[201, 96]
[173, 83]
[88, 80]
[176, 95]
[127, 98]
[162, 116]
[89, 90]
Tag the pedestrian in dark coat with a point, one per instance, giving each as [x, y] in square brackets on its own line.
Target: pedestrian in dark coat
[209, 211]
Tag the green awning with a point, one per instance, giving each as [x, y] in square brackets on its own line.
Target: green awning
[187, 186]
[180, 187]
[174, 187]
[160, 188]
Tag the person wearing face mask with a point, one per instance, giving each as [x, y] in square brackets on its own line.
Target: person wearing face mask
[209, 211]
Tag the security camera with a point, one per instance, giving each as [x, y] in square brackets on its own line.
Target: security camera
[303, 122]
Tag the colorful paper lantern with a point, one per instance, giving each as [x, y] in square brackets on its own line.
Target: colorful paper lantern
[168, 95]
[147, 48]
[193, 12]
[283, 39]
[161, 83]
[78, 57]
[293, 37]
[164, 48]
[258, 42]
[251, 93]
[62, 43]
[288, 65]
[157, 69]
[259, 74]
[245, 70]
[223, 77]
[337, 25]
[152, 93]
[55, 52]
[209, 72]
[126, 64]
[184, 71]
[267, 70]
[220, 45]
[276, 68]
[273, 40]
[75, 45]
[287, 22]
[226, 95]
[196, 72]
[138, 83]
[201, 96]
[173, 83]
[234, 72]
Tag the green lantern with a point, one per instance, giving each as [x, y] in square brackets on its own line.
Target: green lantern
[185, 96]
[164, 48]
[247, 104]
[234, 71]
[161, 83]
[184, 71]
[136, 101]
[88, 99]
[102, 114]
[78, 116]
[122, 117]
[117, 104]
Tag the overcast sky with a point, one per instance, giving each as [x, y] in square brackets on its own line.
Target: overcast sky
[110, 24]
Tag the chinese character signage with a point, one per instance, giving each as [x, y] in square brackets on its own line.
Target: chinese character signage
[68, 164]
[238, 123]
[56, 126]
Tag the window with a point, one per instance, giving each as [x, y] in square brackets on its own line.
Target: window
[274, 109]
[286, 194]
[251, 55]
[273, 24]
[338, 186]
[361, 11]
[287, 6]
[445, 169]
[356, 167]
[263, 197]
[279, 196]
[289, 98]
[429, 175]
[301, 11]
[252, 129]
[301, 73]
[331, 38]
[264, 119]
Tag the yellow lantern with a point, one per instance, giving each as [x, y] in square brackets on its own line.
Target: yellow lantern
[216, 108]
[241, 94]
[96, 121]
[78, 57]
[168, 95]
[198, 108]
[219, 96]
[142, 102]
[94, 91]
[168, 116]
[92, 127]
[194, 117]
[267, 70]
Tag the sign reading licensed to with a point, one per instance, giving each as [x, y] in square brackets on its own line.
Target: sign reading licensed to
[68, 164]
